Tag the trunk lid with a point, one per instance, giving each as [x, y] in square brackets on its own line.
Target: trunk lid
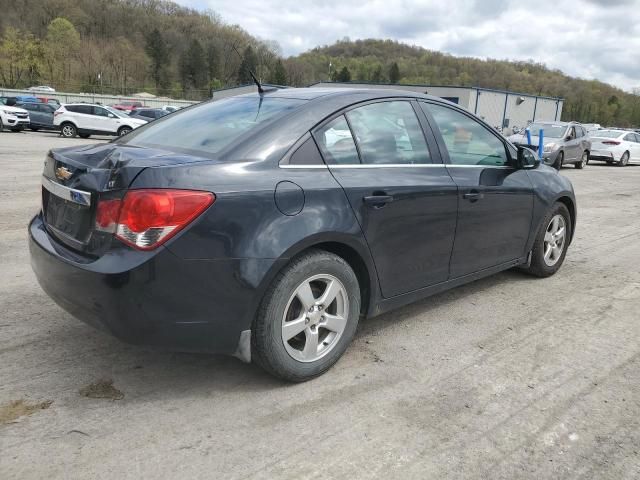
[76, 179]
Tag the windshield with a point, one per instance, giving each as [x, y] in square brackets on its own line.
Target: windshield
[211, 126]
[607, 133]
[116, 112]
[551, 131]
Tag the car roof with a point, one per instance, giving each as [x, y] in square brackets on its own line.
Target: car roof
[314, 93]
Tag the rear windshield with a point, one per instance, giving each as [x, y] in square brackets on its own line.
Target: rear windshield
[209, 127]
[607, 134]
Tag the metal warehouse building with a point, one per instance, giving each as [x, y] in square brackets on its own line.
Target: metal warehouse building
[496, 107]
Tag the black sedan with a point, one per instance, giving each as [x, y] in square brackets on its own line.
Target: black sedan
[264, 226]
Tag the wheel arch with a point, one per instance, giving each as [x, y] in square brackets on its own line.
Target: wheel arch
[569, 203]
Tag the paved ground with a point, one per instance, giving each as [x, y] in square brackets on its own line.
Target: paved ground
[509, 377]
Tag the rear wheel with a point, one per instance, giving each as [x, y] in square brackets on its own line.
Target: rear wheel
[624, 160]
[84, 135]
[559, 161]
[308, 317]
[35, 129]
[583, 161]
[1, 125]
[550, 246]
[123, 131]
[68, 130]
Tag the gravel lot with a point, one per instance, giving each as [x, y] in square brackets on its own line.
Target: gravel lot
[509, 377]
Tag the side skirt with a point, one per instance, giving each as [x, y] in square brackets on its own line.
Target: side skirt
[407, 298]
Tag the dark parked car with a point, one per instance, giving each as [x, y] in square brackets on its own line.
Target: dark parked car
[148, 114]
[270, 235]
[40, 115]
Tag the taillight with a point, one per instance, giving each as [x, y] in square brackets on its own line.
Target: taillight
[145, 219]
[611, 142]
[57, 112]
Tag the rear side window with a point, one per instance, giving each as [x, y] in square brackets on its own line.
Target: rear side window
[389, 133]
[630, 137]
[210, 127]
[336, 142]
[87, 109]
[468, 141]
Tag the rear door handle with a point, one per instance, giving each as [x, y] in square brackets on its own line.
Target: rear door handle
[378, 200]
[473, 196]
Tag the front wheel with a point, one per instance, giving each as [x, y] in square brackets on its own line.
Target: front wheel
[550, 246]
[559, 161]
[583, 161]
[308, 317]
[123, 131]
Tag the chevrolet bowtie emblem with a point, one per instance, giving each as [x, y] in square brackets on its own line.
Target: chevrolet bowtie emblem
[62, 173]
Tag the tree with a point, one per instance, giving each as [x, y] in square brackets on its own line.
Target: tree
[247, 66]
[21, 58]
[62, 45]
[279, 75]
[212, 62]
[158, 52]
[394, 73]
[376, 76]
[344, 75]
[193, 67]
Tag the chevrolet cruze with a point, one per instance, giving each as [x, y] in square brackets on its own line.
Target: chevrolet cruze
[265, 226]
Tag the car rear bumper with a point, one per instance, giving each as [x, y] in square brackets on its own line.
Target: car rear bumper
[602, 155]
[150, 298]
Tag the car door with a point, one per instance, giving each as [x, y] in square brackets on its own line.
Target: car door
[635, 157]
[105, 120]
[46, 114]
[572, 145]
[34, 114]
[82, 115]
[400, 192]
[495, 201]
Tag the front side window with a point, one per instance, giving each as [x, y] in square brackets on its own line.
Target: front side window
[389, 133]
[208, 128]
[630, 137]
[468, 141]
[101, 112]
[336, 143]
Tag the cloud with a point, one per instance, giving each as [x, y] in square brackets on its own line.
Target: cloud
[587, 38]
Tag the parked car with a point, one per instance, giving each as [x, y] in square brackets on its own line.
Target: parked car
[268, 236]
[11, 101]
[148, 114]
[40, 115]
[127, 105]
[13, 118]
[564, 142]
[615, 146]
[591, 127]
[85, 119]
[49, 100]
[170, 108]
[42, 88]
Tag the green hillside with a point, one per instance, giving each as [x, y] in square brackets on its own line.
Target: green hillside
[372, 60]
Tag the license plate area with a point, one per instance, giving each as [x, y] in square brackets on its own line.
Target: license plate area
[67, 213]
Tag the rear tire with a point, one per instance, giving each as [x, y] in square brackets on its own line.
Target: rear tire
[84, 135]
[34, 129]
[624, 160]
[583, 161]
[298, 334]
[548, 254]
[559, 161]
[1, 126]
[68, 130]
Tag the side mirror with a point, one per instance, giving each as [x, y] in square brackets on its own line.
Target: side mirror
[527, 158]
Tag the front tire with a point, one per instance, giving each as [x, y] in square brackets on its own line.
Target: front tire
[123, 131]
[550, 246]
[583, 161]
[559, 161]
[68, 130]
[307, 318]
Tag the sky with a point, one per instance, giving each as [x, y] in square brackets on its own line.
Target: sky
[592, 39]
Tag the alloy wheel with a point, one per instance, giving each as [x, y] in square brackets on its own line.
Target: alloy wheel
[315, 318]
[68, 131]
[554, 240]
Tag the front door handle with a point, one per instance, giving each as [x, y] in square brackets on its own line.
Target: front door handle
[378, 200]
[473, 196]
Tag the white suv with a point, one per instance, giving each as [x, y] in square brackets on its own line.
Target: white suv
[85, 119]
[13, 118]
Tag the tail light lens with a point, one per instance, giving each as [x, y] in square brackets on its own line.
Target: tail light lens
[145, 219]
[58, 112]
[611, 142]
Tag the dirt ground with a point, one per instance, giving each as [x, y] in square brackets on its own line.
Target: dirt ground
[508, 377]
